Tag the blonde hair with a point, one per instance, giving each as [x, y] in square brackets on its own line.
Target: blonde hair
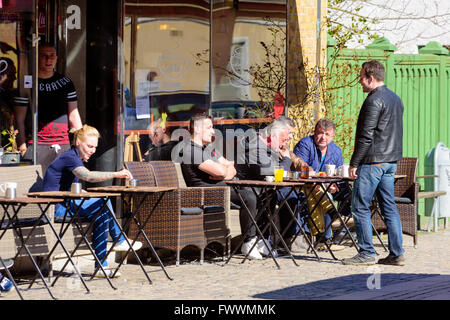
[81, 134]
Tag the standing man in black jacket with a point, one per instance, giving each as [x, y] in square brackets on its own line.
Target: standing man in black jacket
[378, 146]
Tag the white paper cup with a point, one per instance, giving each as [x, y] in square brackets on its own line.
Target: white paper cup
[331, 168]
[344, 170]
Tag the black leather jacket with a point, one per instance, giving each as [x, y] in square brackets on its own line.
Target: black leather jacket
[379, 130]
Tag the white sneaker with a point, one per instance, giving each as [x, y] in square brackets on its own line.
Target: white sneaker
[123, 246]
[254, 254]
[264, 250]
[109, 272]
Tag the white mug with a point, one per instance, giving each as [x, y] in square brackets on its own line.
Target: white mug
[9, 188]
[330, 169]
[8, 185]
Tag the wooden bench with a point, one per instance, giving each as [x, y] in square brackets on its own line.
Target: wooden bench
[429, 195]
[433, 216]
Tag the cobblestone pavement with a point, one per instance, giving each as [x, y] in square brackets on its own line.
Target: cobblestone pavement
[425, 276]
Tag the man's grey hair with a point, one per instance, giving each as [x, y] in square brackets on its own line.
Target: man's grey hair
[286, 120]
[275, 128]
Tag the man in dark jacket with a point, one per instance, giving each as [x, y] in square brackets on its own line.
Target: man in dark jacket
[378, 146]
[160, 135]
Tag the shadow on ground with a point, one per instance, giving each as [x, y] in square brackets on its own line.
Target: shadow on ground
[335, 288]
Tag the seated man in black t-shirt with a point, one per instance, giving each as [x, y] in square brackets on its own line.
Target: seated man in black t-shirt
[203, 166]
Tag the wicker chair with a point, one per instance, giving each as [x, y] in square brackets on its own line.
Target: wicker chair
[213, 202]
[171, 225]
[405, 193]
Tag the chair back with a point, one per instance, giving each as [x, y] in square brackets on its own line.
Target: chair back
[405, 187]
[181, 181]
[143, 172]
[165, 173]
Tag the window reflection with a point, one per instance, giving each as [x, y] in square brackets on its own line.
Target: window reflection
[248, 57]
[192, 56]
[15, 61]
[160, 44]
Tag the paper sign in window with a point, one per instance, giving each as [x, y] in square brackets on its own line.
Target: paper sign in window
[142, 107]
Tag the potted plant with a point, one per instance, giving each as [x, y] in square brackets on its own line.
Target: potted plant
[11, 153]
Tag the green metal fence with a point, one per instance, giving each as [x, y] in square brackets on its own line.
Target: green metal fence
[421, 80]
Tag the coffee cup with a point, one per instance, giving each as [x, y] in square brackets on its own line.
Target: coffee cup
[344, 170]
[9, 188]
[10, 193]
[331, 168]
[75, 187]
[133, 182]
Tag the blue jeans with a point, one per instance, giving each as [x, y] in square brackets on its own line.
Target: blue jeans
[377, 178]
[102, 224]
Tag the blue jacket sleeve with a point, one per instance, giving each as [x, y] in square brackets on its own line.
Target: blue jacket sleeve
[301, 150]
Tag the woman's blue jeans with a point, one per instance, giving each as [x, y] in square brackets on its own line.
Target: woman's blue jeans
[102, 224]
[376, 178]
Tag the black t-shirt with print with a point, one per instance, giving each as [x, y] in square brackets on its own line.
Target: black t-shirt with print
[54, 94]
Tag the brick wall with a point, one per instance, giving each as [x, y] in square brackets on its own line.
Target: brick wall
[302, 52]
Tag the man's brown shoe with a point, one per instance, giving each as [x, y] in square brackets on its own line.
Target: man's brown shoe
[393, 260]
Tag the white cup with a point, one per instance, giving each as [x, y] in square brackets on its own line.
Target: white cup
[9, 188]
[331, 168]
[344, 170]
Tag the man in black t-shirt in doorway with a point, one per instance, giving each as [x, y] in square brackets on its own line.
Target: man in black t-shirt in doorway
[57, 111]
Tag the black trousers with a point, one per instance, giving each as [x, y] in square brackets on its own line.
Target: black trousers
[251, 202]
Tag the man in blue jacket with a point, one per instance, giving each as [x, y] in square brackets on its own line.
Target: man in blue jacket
[317, 151]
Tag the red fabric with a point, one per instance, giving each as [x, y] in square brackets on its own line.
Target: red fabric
[278, 106]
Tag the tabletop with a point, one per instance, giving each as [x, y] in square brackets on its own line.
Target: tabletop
[263, 183]
[315, 179]
[68, 194]
[129, 189]
[334, 178]
[27, 200]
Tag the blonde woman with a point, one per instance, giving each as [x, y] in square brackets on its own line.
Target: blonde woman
[68, 168]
